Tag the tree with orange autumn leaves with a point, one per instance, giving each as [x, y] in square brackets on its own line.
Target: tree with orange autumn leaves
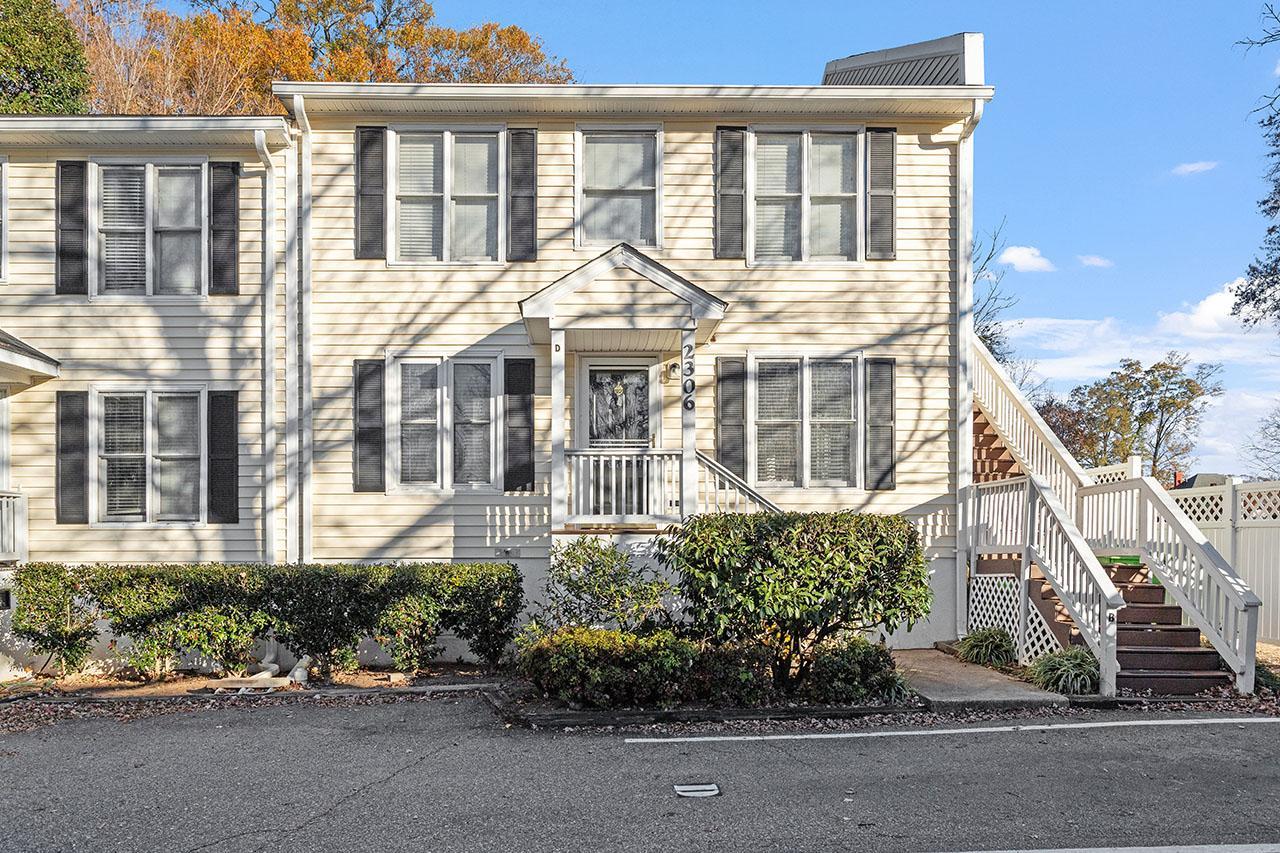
[221, 58]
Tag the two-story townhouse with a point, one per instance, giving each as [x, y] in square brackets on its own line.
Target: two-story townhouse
[460, 322]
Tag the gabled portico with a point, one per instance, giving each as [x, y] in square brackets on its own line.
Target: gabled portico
[621, 315]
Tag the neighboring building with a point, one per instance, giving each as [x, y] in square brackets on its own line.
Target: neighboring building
[492, 315]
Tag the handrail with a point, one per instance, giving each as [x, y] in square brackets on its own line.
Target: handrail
[13, 526]
[1139, 515]
[1023, 431]
[1044, 534]
[622, 451]
[731, 480]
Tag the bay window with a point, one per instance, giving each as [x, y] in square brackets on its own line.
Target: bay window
[804, 415]
[448, 196]
[804, 201]
[619, 179]
[151, 229]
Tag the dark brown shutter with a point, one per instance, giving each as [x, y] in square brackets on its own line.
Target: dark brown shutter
[72, 474]
[881, 454]
[223, 448]
[731, 414]
[881, 192]
[369, 451]
[72, 253]
[371, 192]
[730, 191]
[518, 400]
[224, 229]
[522, 200]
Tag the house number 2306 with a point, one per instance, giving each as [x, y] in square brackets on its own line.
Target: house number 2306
[688, 386]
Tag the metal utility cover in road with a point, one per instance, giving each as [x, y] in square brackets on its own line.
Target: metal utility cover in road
[702, 790]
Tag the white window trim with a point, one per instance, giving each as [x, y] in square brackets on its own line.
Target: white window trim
[444, 420]
[579, 180]
[749, 214]
[4, 219]
[94, 223]
[581, 437]
[858, 480]
[390, 214]
[96, 393]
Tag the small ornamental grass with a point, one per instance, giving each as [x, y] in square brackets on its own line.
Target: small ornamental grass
[988, 647]
[1072, 672]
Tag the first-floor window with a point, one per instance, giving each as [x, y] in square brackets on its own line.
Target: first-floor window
[805, 421]
[445, 421]
[149, 449]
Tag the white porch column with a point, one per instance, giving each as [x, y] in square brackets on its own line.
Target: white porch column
[559, 487]
[688, 424]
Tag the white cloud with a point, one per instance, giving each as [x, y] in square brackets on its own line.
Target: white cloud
[1228, 425]
[1183, 169]
[1095, 261]
[1026, 259]
[1209, 318]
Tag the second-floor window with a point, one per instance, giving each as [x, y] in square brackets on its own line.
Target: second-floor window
[151, 226]
[805, 197]
[448, 196]
[620, 176]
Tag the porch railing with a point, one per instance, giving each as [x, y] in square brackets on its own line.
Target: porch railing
[13, 527]
[721, 490]
[1138, 516]
[623, 485]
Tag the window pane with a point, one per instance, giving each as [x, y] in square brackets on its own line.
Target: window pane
[418, 453]
[831, 390]
[475, 230]
[778, 229]
[620, 160]
[831, 164]
[124, 198]
[831, 233]
[126, 490]
[420, 231]
[778, 390]
[475, 165]
[122, 424]
[124, 262]
[418, 397]
[177, 489]
[177, 425]
[619, 217]
[777, 163]
[177, 261]
[831, 452]
[178, 198]
[471, 453]
[421, 164]
[778, 453]
[471, 391]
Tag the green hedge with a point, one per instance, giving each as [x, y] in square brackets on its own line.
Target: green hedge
[791, 581]
[218, 613]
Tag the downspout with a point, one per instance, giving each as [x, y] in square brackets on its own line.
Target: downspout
[964, 353]
[304, 331]
[268, 348]
[291, 352]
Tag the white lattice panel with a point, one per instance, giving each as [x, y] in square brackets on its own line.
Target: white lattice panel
[1201, 506]
[993, 603]
[1263, 505]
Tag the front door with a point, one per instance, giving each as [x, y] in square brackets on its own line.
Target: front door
[618, 420]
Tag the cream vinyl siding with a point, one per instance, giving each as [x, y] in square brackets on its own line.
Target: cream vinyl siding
[139, 342]
[902, 308]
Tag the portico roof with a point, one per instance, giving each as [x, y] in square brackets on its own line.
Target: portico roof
[22, 364]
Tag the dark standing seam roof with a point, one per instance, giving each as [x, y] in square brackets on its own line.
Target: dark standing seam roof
[12, 344]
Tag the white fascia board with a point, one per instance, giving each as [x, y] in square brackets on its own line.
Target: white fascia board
[148, 128]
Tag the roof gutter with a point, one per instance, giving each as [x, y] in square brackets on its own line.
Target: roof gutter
[268, 347]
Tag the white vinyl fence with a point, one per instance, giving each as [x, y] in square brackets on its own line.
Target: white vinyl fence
[1242, 520]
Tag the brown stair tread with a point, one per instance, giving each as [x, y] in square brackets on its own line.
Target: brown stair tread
[1200, 674]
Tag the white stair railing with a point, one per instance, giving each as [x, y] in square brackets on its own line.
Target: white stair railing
[1022, 430]
[721, 490]
[1023, 516]
[13, 527]
[1139, 517]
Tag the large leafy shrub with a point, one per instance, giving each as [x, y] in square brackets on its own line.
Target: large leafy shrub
[987, 647]
[789, 581]
[852, 670]
[731, 676]
[592, 582]
[481, 603]
[607, 668]
[1073, 672]
[55, 613]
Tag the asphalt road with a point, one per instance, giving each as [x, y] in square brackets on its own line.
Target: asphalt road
[443, 775]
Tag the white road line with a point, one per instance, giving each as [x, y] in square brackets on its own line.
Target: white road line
[1178, 848]
[1030, 727]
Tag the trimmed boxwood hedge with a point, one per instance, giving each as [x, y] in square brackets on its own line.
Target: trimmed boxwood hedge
[217, 613]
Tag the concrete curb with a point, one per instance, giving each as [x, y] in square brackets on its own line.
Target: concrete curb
[478, 687]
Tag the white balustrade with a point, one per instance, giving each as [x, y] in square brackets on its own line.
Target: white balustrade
[13, 527]
[720, 490]
[623, 485]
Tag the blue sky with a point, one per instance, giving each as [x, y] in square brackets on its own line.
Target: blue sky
[1097, 106]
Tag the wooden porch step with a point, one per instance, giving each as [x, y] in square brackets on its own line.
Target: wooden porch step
[1172, 682]
[1156, 614]
[1167, 658]
[1142, 593]
[1182, 636]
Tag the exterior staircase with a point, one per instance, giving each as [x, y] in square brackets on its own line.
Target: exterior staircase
[991, 458]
